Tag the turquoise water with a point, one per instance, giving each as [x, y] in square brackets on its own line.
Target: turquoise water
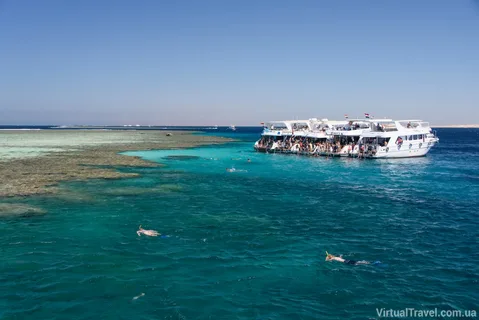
[251, 244]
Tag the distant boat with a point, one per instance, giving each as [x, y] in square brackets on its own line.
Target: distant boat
[232, 127]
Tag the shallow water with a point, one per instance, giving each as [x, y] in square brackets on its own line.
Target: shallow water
[251, 244]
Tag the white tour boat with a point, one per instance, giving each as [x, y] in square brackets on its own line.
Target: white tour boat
[398, 139]
[345, 139]
[362, 138]
[276, 134]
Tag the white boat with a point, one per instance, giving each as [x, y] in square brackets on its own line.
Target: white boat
[398, 139]
[276, 134]
[232, 127]
[362, 138]
[345, 139]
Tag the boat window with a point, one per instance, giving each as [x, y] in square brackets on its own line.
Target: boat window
[385, 126]
[415, 137]
[424, 124]
[409, 124]
[355, 126]
[299, 126]
[277, 126]
[410, 138]
[383, 141]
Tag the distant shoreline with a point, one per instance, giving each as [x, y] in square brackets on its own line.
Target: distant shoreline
[169, 128]
[166, 127]
[458, 126]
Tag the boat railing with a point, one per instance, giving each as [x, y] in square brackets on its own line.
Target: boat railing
[280, 130]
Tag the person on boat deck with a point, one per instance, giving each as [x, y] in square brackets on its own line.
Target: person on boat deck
[330, 257]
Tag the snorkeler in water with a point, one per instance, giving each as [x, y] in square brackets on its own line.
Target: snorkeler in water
[151, 233]
[236, 170]
[330, 257]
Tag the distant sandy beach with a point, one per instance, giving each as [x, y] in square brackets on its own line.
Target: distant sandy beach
[34, 162]
[457, 126]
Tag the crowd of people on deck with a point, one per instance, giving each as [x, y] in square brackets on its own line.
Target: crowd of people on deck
[315, 146]
[303, 145]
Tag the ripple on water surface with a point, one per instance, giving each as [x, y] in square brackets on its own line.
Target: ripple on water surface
[250, 244]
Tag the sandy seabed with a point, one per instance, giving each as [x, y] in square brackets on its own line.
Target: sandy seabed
[34, 162]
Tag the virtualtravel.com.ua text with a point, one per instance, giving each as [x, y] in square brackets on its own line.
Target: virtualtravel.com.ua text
[432, 313]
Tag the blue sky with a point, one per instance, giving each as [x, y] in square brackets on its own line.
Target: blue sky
[237, 62]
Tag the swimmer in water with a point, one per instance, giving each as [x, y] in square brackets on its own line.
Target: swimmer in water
[141, 295]
[249, 160]
[151, 233]
[330, 257]
[230, 170]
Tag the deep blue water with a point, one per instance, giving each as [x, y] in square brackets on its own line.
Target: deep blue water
[251, 244]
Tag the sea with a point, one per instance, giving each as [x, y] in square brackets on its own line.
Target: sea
[251, 243]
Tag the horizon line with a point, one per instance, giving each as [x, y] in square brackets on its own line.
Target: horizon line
[198, 125]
